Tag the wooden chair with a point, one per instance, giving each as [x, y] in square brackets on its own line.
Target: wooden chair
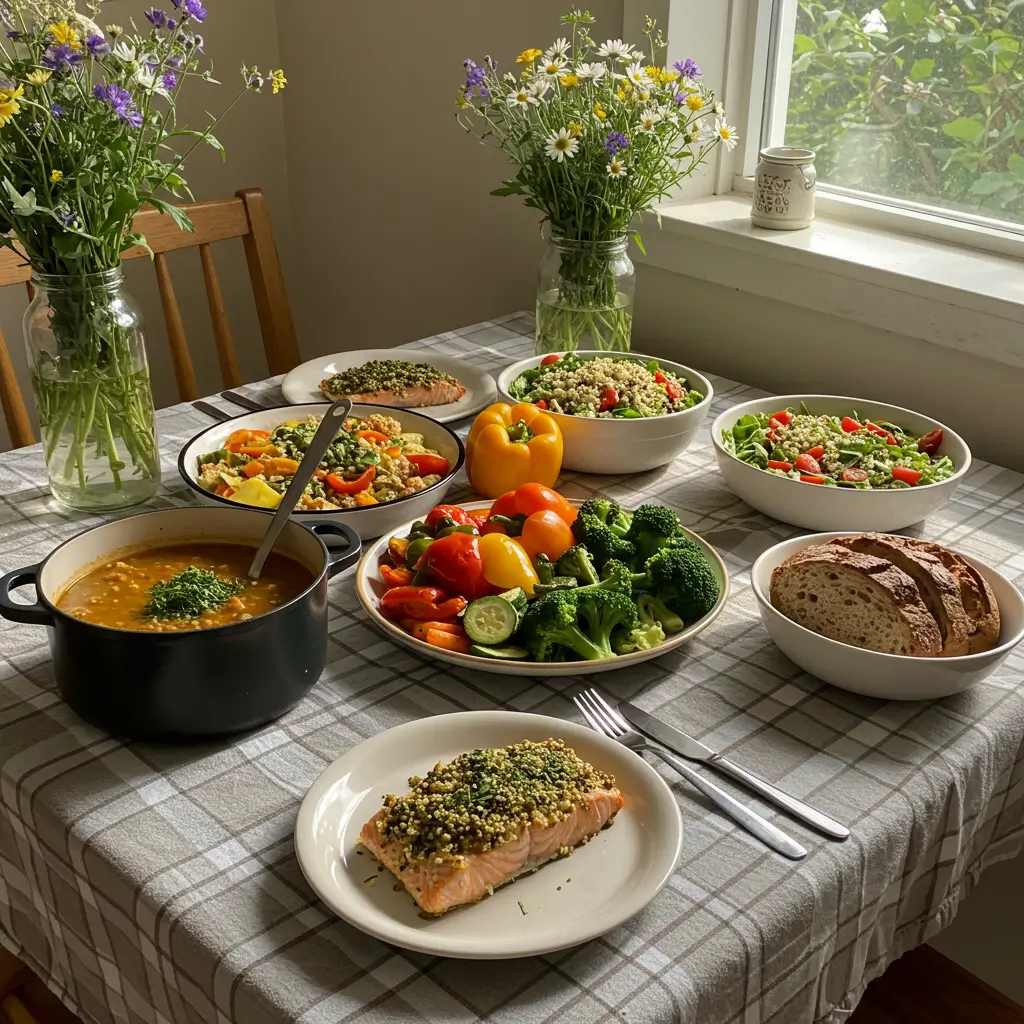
[244, 216]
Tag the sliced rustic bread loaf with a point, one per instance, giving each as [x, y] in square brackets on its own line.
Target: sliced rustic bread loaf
[856, 599]
[975, 594]
[937, 586]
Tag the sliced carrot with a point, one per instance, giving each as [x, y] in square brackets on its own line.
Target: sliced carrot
[394, 451]
[366, 498]
[373, 435]
[281, 466]
[253, 469]
[419, 629]
[252, 451]
[448, 641]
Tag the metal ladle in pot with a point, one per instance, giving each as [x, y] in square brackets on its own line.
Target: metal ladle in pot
[333, 421]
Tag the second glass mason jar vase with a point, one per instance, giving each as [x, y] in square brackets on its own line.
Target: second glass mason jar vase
[90, 376]
[585, 296]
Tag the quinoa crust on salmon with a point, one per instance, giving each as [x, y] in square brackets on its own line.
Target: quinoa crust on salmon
[394, 382]
[488, 817]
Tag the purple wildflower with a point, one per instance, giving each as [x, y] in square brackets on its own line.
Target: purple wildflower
[61, 58]
[195, 9]
[176, 61]
[177, 3]
[67, 217]
[170, 80]
[155, 16]
[97, 45]
[120, 101]
[16, 36]
[172, 24]
[57, 110]
[614, 142]
[687, 68]
[475, 77]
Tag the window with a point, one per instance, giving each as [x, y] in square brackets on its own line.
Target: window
[917, 103]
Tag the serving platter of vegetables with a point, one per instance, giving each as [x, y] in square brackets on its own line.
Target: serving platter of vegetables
[536, 584]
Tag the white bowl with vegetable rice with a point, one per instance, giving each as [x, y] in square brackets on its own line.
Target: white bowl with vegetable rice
[401, 468]
[827, 462]
[618, 412]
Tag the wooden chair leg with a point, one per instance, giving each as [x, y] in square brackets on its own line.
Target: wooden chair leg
[18, 424]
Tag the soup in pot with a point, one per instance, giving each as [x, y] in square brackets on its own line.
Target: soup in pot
[184, 586]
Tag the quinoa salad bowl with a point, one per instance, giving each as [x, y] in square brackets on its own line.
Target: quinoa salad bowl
[832, 463]
[653, 416]
[405, 450]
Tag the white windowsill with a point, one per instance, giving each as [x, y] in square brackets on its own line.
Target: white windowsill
[962, 298]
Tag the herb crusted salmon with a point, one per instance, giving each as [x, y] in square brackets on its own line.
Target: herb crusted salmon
[395, 382]
[488, 817]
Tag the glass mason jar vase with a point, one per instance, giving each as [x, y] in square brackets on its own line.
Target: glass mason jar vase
[90, 376]
[585, 296]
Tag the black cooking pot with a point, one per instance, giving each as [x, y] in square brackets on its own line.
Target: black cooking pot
[189, 685]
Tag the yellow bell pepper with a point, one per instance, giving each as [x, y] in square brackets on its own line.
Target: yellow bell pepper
[512, 445]
[506, 563]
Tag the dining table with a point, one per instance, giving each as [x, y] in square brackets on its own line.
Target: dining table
[159, 883]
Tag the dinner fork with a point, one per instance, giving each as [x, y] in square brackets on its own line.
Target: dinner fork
[604, 719]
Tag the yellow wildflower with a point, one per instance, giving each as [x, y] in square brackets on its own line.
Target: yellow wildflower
[575, 130]
[654, 73]
[277, 80]
[56, 175]
[64, 35]
[9, 105]
[620, 94]
[599, 112]
[461, 102]
[626, 84]
[529, 56]
[694, 102]
[38, 77]
[668, 76]
[569, 81]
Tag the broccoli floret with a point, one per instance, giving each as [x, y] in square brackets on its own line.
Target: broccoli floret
[545, 568]
[583, 624]
[641, 638]
[608, 512]
[557, 583]
[615, 576]
[684, 580]
[652, 528]
[600, 541]
[578, 563]
[653, 612]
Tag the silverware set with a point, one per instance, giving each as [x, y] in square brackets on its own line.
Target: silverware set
[616, 724]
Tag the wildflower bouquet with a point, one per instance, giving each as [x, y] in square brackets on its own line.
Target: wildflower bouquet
[600, 134]
[88, 135]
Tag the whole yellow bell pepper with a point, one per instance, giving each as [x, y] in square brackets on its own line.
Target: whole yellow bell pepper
[512, 445]
[506, 563]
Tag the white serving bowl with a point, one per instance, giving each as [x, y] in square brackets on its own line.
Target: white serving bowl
[370, 589]
[618, 446]
[368, 521]
[817, 507]
[887, 676]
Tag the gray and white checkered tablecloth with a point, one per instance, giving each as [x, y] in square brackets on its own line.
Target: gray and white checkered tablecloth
[159, 884]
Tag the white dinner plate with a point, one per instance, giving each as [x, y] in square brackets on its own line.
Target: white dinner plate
[370, 589]
[566, 902]
[303, 383]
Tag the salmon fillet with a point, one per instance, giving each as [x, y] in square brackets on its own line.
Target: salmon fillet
[440, 393]
[394, 382]
[487, 818]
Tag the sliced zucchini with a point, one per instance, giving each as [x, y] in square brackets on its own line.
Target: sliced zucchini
[515, 597]
[490, 620]
[509, 652]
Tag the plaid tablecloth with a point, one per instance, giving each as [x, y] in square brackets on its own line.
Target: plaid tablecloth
[159, 884]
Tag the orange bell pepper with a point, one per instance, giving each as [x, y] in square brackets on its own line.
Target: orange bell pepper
[511, 445]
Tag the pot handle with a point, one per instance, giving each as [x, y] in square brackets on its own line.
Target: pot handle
[34, 613]
[338, 560]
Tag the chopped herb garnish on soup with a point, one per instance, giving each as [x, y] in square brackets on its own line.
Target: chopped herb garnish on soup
[190, 593]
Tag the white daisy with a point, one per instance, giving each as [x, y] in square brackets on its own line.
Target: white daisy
[724, 133]
[552, 67]
[539, 89]
[591, 72]
[561, 144]
[718, 109]
[616, 49]
[667, 113]
[557, 50]
[636, 75]
[521, 97]
[648, 119]
[616, 167]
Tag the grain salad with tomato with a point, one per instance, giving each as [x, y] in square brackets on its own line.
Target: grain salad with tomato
[371, 461]
[838, 451]
[604, 387]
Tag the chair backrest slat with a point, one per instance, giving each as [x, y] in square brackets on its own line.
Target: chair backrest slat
[184, 373]
[245, 216]
[226, 356]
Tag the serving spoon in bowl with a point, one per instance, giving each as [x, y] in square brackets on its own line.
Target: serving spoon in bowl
[333, 421]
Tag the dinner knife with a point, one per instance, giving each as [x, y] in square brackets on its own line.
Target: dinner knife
[694, 750]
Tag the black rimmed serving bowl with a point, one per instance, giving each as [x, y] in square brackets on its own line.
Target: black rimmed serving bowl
[190, 685]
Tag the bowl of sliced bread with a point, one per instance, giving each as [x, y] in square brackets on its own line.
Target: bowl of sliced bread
[887, 616]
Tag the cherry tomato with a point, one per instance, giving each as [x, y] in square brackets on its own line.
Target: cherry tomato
[609, 399]
[786, 467]
[548, 360]
[456, 563]
[427, 464]
[533, 497]
[505, 505]
[660, 377]
[855, 475]
[931, 442]
[479, 518]
[541, 403]
[546, 532]
[673, 390]
[812, 479]
[849, 425]
[783, 417]
[774, 424]
[906, 475]
[773, 437]
[816, 452]
[808, 464]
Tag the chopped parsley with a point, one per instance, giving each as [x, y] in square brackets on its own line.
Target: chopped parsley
[188, 594]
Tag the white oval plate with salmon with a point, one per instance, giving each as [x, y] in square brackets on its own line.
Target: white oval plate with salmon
[303, 383]
[565, 902]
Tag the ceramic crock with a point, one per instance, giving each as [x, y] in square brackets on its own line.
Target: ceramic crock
[784, 186]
